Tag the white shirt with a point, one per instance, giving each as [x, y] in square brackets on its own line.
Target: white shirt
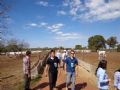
[58, 54]
[64, 56]
[102, 79]
[117, 80]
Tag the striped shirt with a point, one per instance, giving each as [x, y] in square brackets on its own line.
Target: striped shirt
[26, 65]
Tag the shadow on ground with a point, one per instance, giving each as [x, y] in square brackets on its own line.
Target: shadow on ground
[41, 86]
[77, 86]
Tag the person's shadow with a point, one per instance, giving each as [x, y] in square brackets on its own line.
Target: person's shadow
[77, 86]
[41, 86]
[80, 86]
[63, 85]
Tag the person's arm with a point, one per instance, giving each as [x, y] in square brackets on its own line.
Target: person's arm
[29, 68]
[59, 70]
[115, 80]
[47, 67]
[46, 70]
[65, 68]
[76, 67]
[65, 63]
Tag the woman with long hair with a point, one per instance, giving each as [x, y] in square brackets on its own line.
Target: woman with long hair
[103, 81]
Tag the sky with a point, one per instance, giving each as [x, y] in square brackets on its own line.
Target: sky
[54, 23]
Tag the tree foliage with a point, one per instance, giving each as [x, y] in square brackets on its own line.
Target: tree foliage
[96, 42]
[112, 41]
[13, 45]
[5, 7]
[78, 47]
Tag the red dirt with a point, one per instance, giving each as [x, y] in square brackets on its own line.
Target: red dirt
[84, 81]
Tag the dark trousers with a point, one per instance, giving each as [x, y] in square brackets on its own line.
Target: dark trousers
[52, 79]
[27, 82]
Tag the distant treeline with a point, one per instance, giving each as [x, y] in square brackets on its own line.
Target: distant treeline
[97, 42]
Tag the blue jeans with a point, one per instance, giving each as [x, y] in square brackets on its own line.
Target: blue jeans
[70, 78]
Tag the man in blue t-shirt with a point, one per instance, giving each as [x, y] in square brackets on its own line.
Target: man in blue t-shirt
[70, 66]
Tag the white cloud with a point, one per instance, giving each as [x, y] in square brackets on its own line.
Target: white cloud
[43, 24]
[67, 36]
[94, 10]
[36, 25]
[61, 12]
[32, 25]
[42, 3]
[46, 26]
[55, 27]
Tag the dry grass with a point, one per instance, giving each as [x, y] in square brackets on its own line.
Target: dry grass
[11, 73]
[113, 59]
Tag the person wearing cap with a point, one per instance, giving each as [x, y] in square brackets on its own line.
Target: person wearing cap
[70, 67]
[52, 66]
[26, 70]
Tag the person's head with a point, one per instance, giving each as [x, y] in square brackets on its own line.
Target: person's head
[64, 51]
[52, 53]
[102, 64]
[72, 53]
[28, 53]
[118, 70]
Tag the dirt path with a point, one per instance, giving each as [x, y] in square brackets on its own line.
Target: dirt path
[84, 81]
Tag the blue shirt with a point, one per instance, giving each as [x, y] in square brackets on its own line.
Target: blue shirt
[70, 64]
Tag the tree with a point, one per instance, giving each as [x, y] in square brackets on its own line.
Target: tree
[4, 8]
[112, 41]
[22, 45]
[61, 48]
[118, 47]
[2, 46]
[96, 42]
[78, 47]
[16, 45]
[12, 45]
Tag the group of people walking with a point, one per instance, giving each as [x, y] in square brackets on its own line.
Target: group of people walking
[54, 64]
[69, 63]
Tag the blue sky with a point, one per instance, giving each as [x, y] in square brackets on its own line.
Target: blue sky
[50, 23]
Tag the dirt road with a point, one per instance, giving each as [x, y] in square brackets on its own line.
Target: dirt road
[84, 81]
